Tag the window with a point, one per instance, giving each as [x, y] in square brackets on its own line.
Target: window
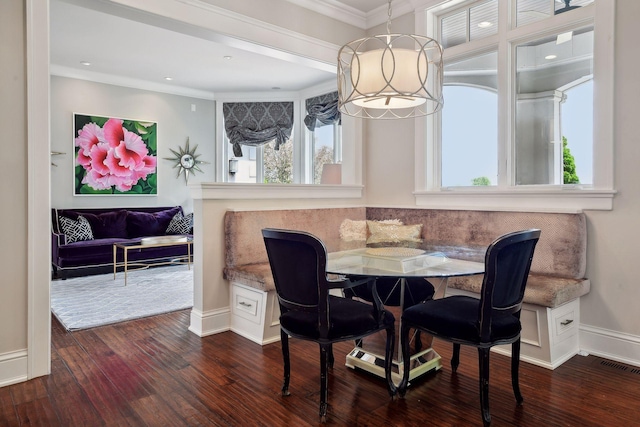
[520, 113]
[544, 67]
[324, 136]
[261, 132]
[470, 152]
[325, 143]
[314, 137]
[263, 164]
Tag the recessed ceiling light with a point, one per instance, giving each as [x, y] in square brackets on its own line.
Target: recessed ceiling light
[485, 24]
[85, 63]
[227, 57]
[168, 78]
[551, 57]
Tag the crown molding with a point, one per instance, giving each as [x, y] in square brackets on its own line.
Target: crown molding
[336, 10]
[341, 12]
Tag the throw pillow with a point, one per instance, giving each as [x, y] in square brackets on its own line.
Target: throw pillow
[355, 230]
[393, 233]
[351, 230]
[180, 224]
[76, 230]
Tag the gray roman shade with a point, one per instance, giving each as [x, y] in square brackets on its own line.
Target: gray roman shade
[256, 123]
[322, 110]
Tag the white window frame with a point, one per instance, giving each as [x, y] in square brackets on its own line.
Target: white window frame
[506, 196]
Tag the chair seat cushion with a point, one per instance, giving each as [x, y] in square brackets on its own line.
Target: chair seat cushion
[417, 289]
[456, 318]
[348, 319]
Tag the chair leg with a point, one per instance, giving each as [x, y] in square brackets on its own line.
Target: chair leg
[515, 363]
[406, 359]
[483, 356]
[324, 382]
[284, 342]
[455, 358]
[330, 359]
[388, 360]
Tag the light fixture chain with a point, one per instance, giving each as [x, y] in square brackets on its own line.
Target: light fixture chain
[389, 18]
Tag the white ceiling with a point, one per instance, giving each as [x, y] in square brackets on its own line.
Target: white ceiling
[134, 54]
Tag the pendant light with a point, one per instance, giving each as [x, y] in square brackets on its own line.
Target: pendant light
[390, 76]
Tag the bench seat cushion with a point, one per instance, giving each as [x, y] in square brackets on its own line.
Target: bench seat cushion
[543, 290]
[256, 276]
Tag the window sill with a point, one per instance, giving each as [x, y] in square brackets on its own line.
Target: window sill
[523, 200]
[236, 191]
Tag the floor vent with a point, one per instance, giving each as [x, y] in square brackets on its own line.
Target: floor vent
[621, 367]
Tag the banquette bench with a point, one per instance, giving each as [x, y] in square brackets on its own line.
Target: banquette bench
[551, 312]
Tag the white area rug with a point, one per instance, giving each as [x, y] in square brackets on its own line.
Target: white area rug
[86, 302]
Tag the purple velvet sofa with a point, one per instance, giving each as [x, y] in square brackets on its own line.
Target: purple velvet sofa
[109, 226]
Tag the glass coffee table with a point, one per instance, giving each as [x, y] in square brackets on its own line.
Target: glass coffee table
[146, 243]
[400, 263]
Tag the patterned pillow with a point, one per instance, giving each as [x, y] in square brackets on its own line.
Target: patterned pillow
[393, 233]
[351, 230]
[355, 230]
[76, 230]
[180, 224]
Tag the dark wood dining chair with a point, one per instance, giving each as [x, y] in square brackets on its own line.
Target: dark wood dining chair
[298, 263]
[491, 320]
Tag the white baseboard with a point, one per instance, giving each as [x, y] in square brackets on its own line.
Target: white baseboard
[210, 322]
[621, 347]
[255, 339]
[13, 367]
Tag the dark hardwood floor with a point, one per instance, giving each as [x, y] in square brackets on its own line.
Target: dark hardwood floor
[154, 372]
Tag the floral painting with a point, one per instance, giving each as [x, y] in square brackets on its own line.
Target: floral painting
[114, 156]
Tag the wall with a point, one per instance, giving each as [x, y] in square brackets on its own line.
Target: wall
[176, 121]
[389, 146]
[13, 184]
[610, 311]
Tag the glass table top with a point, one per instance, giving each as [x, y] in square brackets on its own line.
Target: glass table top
[399, 262]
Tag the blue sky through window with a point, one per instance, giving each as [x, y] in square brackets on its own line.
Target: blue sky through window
[577, 119]
[469, 135]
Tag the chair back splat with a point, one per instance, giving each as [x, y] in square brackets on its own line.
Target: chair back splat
[298, 263]
[507, 264]
[494, 319]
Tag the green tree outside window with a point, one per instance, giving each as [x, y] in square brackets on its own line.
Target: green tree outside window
[570, 176]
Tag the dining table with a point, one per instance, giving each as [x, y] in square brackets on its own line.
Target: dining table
[401, 263]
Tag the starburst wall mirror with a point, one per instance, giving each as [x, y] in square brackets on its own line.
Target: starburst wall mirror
[186, 160]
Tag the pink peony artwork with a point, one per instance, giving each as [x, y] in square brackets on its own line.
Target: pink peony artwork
[114, 156]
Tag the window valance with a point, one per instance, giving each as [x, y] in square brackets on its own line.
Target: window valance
[256, 123]
[322, 110]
